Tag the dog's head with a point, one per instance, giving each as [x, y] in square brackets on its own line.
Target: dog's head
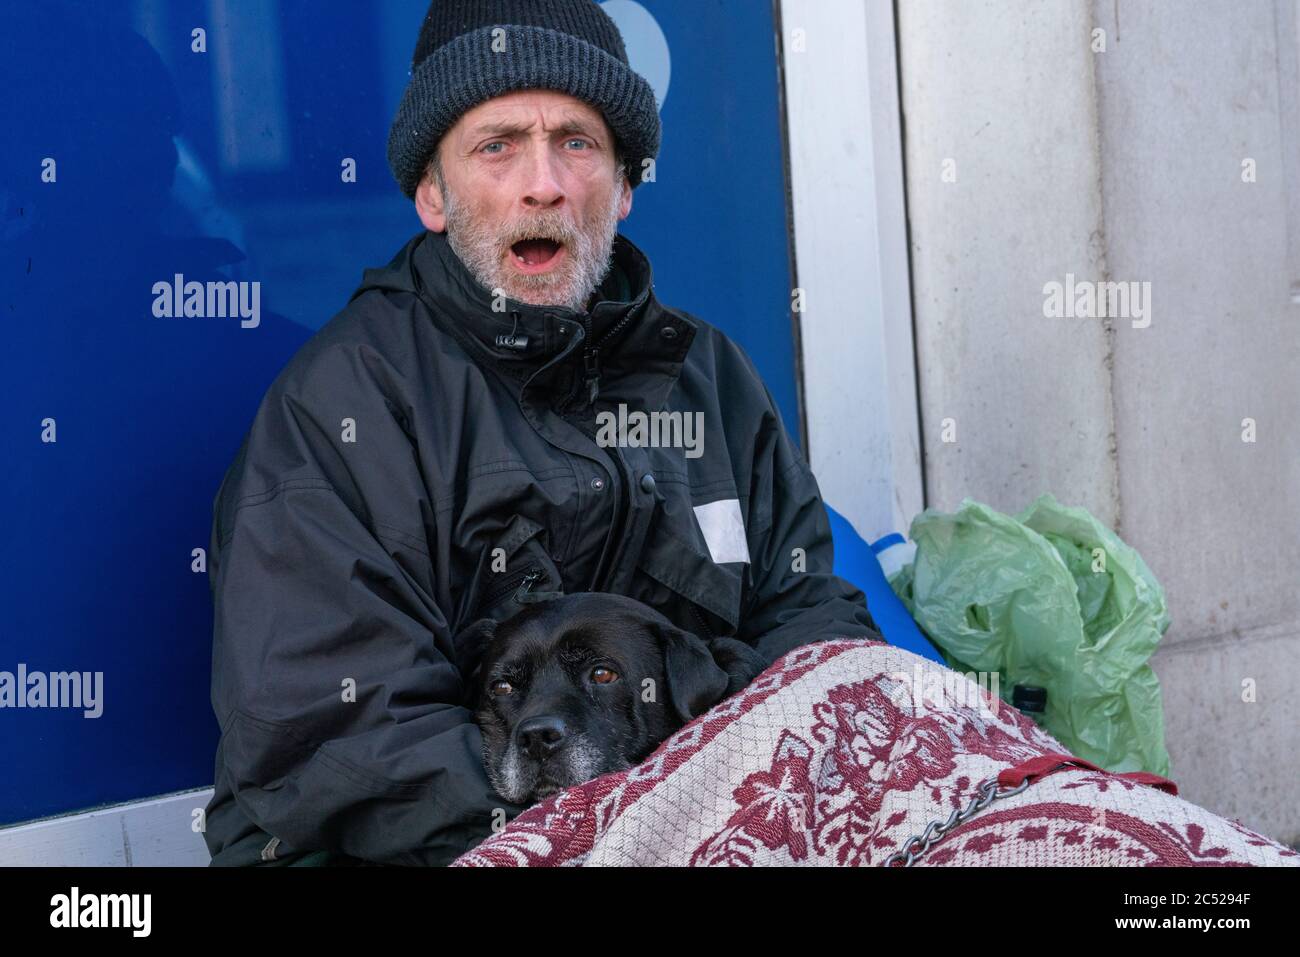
[574, 688]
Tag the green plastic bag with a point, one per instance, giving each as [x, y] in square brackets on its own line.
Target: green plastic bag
[1050, 598]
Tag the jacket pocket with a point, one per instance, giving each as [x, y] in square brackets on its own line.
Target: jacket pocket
[529, 575]
[689, 587]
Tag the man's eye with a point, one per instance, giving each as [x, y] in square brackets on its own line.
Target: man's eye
[583, 142]
[490, 145]
[502, 688]
[603, 676]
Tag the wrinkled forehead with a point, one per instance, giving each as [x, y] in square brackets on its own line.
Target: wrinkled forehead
[527, 108]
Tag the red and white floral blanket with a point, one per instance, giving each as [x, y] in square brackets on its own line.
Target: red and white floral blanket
[841, 752]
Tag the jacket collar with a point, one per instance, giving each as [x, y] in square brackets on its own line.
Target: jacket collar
[626, 320]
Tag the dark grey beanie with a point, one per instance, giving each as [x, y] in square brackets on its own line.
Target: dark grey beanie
[567, 45]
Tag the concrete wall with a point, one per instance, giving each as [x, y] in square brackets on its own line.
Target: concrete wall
[1126, 165]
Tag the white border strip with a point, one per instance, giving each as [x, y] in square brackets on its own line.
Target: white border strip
[158, 832]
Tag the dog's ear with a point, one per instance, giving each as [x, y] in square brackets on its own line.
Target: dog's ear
[470, 644]
[701, 673]
[695, 681]
[740, 661]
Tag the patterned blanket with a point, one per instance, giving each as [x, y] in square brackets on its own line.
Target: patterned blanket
[849, 752]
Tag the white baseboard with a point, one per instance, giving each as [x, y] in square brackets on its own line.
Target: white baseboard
[158, 832]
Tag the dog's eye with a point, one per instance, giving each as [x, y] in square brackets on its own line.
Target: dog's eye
[502, 688]
[603, 676]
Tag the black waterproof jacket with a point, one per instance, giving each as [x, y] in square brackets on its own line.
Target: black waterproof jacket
[417, 437]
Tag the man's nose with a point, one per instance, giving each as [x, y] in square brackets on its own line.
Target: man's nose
[541, 736]
[542, 186]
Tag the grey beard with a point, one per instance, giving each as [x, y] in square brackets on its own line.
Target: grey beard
[478, 245]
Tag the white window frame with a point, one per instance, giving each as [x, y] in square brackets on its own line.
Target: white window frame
[845, 154]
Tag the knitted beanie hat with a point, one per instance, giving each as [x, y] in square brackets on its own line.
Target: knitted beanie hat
[470, 51]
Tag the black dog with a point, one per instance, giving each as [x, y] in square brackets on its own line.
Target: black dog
[570, 689]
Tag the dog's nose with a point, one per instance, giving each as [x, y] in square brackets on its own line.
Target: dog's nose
[539, 737]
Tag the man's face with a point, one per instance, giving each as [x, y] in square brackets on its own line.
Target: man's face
[529, 196]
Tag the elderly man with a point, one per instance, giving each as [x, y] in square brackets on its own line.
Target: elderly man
[444, 450]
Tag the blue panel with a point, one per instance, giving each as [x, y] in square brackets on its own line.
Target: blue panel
[224, 163]
[714, 222]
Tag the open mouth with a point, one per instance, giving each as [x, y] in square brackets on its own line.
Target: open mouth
[536, 255]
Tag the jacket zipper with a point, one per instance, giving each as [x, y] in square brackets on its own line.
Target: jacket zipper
[591, 364]
[520, 583]
[591, 375]
[708, 632]
[591, 357]
[624, 505]
[527, 584]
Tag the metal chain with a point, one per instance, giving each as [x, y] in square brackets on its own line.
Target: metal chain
[935, 831]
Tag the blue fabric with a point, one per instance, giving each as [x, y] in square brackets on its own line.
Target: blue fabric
[855, 561]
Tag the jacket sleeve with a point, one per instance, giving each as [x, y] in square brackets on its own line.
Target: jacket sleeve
[795, 598]
[334, 678]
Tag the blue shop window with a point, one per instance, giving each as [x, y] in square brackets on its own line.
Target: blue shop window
[153, 144]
